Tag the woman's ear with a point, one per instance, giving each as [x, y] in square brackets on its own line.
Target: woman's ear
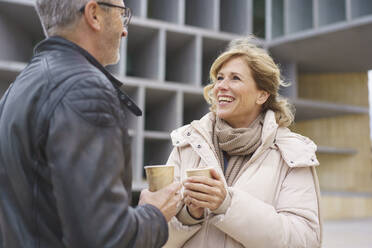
[262, 97]
[92, 15]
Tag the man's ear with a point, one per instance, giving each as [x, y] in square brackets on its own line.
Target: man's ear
[262, 97]
[93, 15]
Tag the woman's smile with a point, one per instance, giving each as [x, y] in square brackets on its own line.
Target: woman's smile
[225, 100]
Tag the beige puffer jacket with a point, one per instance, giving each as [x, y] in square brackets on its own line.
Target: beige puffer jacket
[274, 201]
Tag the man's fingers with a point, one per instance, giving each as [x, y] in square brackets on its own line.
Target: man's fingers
[173, 188]
[144, 191]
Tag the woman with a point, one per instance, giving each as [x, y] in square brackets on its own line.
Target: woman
[264, 191]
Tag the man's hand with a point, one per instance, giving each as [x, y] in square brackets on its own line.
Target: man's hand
[167, 200]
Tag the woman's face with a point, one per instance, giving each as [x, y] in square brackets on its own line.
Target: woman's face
[238, 101]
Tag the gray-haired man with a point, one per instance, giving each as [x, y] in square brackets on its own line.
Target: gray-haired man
[65, 170]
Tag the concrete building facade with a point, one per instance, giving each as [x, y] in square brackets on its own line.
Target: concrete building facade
[321, 46]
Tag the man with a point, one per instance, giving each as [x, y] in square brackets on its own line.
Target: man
[65, 171]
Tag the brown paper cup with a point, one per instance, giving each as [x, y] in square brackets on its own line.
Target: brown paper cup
[206, 172]
[159, 176]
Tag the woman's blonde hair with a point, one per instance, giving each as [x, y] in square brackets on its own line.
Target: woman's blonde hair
[265, 73]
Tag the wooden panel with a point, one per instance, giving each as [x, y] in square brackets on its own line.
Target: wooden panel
[336, 207]
[346, 88]
[342, 172]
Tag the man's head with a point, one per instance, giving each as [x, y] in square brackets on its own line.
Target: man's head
[97, 26]
[58, 14]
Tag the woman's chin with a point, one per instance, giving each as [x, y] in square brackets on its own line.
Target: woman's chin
[223, 115]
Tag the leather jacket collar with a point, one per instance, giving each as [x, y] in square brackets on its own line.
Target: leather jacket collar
[59, 43]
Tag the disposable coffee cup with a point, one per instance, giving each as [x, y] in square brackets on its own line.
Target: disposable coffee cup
[159, 176]
[206, 172]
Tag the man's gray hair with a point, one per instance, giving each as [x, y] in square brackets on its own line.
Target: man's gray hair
[55, 15]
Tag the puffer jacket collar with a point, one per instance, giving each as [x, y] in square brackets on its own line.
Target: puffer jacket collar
[61, 44]
[296, 150]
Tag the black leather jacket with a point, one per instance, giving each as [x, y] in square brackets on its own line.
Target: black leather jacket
[65, 170]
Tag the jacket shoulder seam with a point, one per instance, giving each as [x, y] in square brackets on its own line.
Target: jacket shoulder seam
[76, 111]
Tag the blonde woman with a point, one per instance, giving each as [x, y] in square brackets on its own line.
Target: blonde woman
[264, 191]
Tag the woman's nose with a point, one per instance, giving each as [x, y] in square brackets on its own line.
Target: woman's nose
[222, 85]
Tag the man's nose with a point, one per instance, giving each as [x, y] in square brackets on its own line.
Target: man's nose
[125, 32]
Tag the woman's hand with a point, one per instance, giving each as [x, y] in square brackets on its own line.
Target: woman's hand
[195, 212]
[203, 192]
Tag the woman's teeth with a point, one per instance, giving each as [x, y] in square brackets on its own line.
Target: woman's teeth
[225, 99]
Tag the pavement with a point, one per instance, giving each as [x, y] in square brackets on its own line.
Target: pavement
[348, 233]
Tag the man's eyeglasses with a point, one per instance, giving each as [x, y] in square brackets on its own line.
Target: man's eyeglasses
[126, 15]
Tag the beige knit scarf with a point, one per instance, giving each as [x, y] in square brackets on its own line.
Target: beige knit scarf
[238, 143]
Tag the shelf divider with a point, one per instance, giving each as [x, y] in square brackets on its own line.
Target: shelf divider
[138, 7]
[336, 150]
[181, 58]
[165, 10]
[310, 109]
[143, 55]
[234, 17]
[277, 19]
[330, 11]
[156, 135]
[360, 8]
[211, 48]
[300, 15]
[194, 107]
[202, 13]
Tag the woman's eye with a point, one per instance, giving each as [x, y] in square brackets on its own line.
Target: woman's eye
[219, 78]
[236, 78]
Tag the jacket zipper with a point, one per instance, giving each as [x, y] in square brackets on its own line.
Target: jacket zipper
[205, 240]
